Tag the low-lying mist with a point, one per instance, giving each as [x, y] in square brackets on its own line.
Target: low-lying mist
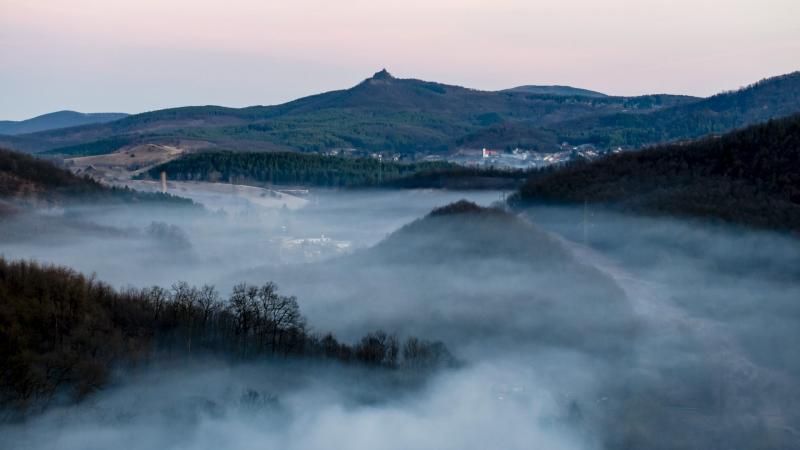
[719, 307]
[301, 406]
[142, 245]
[574, 329]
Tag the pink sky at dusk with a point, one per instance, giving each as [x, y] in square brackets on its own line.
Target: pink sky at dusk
[138, 55]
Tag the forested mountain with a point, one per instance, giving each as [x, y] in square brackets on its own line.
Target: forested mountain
[409, 116]
[750, 176]
[380, 113]
[63, 332]
[771, 98]
[55, 120]
[28, 181]
[556, 90]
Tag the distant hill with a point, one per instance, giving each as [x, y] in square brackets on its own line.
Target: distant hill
[56, 120]
[565, 91]
[409, 116]
[767, 99]
[466, 273]
[382, 113]
[751, 177]
[26, 181]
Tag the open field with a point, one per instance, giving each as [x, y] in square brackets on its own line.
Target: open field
[123, 164]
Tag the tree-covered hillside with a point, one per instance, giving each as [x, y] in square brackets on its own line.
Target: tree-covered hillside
[770, 98]
[64, 333]
[382, 113]
[461, 270]
[751, 176]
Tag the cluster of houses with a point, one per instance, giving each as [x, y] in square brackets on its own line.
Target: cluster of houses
[525, 159]
[310, 249]
[486, 157]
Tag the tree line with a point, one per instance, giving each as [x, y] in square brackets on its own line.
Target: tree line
[264, 169]
[63, 332]
[287, 168]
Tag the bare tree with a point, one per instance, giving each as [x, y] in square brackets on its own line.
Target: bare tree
[157, 297]
[280, 315]
[209, 302]
[244, 308]
[378, 348]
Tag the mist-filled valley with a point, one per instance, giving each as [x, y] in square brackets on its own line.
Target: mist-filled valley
[142, 244]
[553, 327]
[399, 225]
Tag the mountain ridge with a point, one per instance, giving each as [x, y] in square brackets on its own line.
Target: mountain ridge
[766, 99]
[409, 116]
[56, 120]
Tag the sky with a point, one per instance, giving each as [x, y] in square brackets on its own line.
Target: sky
[140, 55]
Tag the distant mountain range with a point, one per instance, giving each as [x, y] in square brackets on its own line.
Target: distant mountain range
[750, 176]
[56, 120]
[408, 116]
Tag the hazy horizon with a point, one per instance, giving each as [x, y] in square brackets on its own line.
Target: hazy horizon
[94, 56]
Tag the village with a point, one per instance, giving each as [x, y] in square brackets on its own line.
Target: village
[485, 157]
[524, 159]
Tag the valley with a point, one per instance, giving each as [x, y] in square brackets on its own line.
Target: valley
[413, 119]
[553, 225]
[602, 299]
[418, 263]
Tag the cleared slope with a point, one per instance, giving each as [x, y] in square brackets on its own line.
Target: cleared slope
[26, 181]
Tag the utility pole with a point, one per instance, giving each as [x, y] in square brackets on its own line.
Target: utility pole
[163, 182]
